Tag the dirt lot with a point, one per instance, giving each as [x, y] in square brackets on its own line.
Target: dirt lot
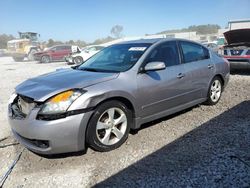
[205, 146]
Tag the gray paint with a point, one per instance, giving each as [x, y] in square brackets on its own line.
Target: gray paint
[153, 94]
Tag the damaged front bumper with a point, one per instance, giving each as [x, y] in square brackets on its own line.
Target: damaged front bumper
[49, 136]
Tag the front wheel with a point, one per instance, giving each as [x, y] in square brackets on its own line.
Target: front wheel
[214, 92]
[45, 59]
[78, 60]
[109, 126]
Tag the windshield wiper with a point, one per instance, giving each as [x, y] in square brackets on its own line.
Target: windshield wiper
[98, 70]
[90, 69]
[75, 67]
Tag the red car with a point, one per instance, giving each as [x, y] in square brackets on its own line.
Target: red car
[237, 51]
[54, 53]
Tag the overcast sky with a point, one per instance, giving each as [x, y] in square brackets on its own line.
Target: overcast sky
[91, 19]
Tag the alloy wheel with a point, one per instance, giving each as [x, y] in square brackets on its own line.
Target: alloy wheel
[45, 59]
[215, 91]
[111, 126]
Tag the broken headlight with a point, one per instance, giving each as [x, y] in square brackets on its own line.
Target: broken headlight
[60, 102]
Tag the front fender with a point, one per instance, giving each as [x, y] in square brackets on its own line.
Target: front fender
[91, 101]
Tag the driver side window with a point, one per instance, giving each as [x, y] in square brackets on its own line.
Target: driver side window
[167, 53]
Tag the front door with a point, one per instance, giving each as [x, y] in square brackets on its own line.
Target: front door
[164, 89]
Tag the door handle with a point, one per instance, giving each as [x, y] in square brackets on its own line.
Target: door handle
[180, 75]
[210, 66]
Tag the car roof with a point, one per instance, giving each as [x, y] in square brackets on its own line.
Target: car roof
[147, 41]
[155, 40]
[61, 45]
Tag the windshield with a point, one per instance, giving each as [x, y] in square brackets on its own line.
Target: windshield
[116, 58]
[31, 36]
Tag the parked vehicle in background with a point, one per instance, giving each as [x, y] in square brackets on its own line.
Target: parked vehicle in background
[118, 89]
[54, 53]
[81, 56]
[212, 45]
[237, 50]
[2, 52]
[221, 41]
[25, 46]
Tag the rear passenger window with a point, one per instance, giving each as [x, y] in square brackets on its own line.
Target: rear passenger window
[67, 47]
[193, 52]
[59, 48]
[167, 53]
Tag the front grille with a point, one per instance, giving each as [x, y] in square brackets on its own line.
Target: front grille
[225, 52]
[22, 106]
[236, 52]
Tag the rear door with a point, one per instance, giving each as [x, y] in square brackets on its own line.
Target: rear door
[53, 53]
[63, 51]
[164, 89]
[198, 68]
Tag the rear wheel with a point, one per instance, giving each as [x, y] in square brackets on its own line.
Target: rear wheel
[78, 60]
[45, 59]
[214, 92]
[109, 126]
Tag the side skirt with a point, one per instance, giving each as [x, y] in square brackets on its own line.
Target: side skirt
[139, 121]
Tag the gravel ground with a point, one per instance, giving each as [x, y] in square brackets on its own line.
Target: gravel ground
[205, 146]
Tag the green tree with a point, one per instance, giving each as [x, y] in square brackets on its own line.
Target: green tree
[4, 39]
[103, 40]
[50, 43]
[200, 29]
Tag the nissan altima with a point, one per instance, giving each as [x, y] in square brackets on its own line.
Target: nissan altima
[120, 88]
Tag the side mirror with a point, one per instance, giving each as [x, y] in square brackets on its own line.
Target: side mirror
[154, 66]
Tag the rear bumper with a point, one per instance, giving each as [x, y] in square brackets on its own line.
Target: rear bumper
[239, 63]
[61, 135]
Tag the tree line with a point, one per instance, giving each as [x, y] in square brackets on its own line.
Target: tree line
[200, 29]
[115, 32]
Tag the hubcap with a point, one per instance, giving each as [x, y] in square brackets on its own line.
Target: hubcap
[45, 59]
[215, 91]
[111, 126]
[78, 61]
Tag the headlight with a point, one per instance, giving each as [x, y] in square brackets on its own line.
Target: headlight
[12, 98]
[61, 102]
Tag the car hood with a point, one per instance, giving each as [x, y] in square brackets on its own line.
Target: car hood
[45, 86]
[239, 36]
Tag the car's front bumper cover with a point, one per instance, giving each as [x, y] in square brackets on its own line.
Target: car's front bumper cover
[51, 137]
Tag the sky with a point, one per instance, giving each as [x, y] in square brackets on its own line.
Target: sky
[91, 19]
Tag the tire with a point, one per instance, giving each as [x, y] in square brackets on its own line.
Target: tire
[31, 54]
[105, 133]
[45, 59]
[215, 91]
[78, 60]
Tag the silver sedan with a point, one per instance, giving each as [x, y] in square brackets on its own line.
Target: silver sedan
[118, 89]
